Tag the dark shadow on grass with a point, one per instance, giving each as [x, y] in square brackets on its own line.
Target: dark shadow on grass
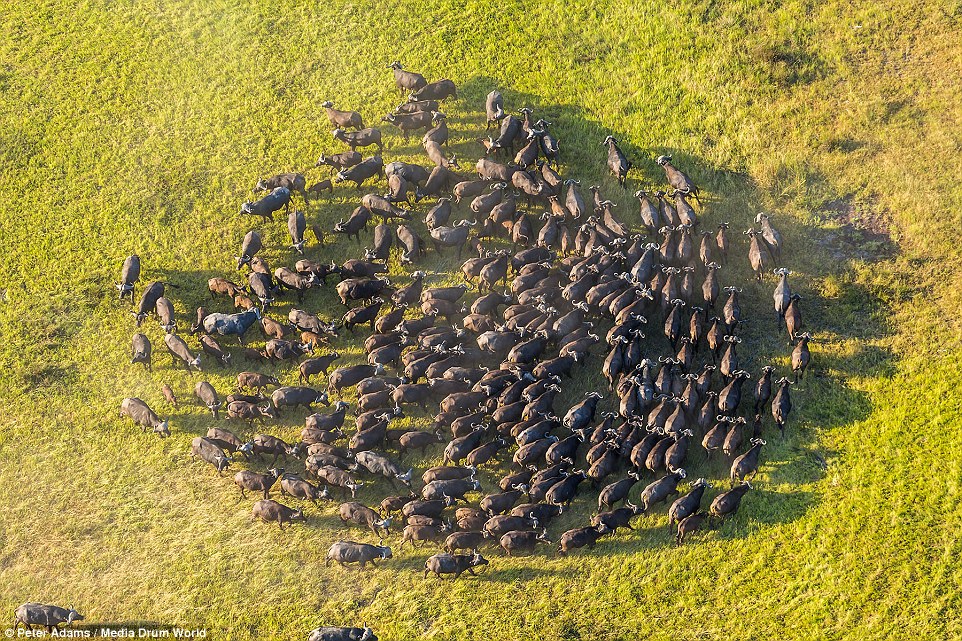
[822, 400]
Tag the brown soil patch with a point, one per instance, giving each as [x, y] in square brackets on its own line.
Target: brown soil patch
[863, 232]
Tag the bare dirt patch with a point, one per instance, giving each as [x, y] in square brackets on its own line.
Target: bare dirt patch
[863, 230]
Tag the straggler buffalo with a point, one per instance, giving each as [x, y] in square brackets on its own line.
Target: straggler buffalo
[455, 564]
[345, 552]
[47, 616]
[278, 199]
[129, 275]
[618, 164]
[204, 449]
[494, 108]
[141, 414]
[678, 179]
[326, 633]
[231, 324]
[364, 516]
[293, 182]
[248, 480]
[269, 511]
[580, 537]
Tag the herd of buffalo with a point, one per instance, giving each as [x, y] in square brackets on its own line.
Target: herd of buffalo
[562, 284]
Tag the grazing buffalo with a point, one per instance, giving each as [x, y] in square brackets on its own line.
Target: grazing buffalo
[326, 633]
[209, 452]
[278, 199]
[141, 414]
[343, 160]
[47, 616]
[181, 353]
[129, 275]
[140, 350]
[293, 182]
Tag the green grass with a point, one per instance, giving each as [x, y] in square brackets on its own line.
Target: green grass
[142, 126]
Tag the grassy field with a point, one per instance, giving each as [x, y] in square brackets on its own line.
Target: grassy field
[141, 127]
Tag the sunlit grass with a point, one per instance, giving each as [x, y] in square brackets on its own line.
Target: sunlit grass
[143, 126]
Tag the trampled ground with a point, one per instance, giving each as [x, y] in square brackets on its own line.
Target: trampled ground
[142, 126]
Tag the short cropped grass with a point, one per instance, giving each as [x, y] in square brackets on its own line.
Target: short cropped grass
[141, 127]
